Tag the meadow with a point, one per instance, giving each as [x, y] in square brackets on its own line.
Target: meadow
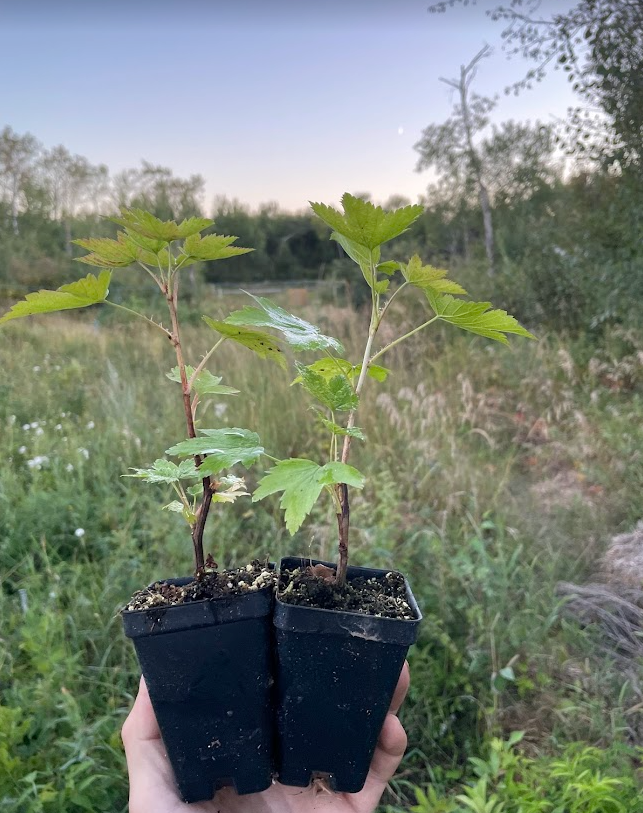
[494, 474]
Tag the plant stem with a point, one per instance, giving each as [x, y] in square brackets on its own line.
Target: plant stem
[401, 338]
[140, 316]
[343, 515]
[204, 361]
[171, 291]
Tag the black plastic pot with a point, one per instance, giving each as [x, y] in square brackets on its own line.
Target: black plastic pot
[208, 669]
[336, 674]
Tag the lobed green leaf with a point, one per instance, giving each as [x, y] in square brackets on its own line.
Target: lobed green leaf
[106, 253]
[330, 367]
[223, 447]
[301, 482]
[88, 291]
[428, 278]
[144, 223]
[211, 247]
[263, 344]
[299, 334]
[476, 317]
[205, 383]
[365, 224]
[335, 393]
[165, 471]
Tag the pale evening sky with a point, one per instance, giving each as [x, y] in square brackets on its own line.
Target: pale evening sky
[276, 100]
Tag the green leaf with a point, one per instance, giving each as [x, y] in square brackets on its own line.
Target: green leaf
[336, 429]
[361, 255]
[145, 224]
[88, 291]
[263, 344]
[335, 393]
[106, 253]
[205, 383]
[229, 489]
[389, 267]
[146, 243]
[165, 471]
[194, 225]
[381, 287]
[212, 247]
[476, 317]
[299, 334]
[223, 447]
[428, 278]
[366, 224]
[330, 367]
[341, 473]
[175, 506]
[301, 482]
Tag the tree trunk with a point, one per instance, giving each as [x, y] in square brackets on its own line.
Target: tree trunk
[476, 166]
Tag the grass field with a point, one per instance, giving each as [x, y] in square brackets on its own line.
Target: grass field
[493, 474]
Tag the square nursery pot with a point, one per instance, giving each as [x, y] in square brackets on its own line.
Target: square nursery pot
[336, 673]
[208, 669]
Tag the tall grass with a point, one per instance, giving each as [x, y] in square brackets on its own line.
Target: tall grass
[492, 474]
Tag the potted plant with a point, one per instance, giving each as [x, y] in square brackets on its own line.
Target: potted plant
[204, 642]
[343, 632]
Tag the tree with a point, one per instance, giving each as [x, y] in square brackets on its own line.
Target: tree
[18, 156]
[599, 45]
[450, 147]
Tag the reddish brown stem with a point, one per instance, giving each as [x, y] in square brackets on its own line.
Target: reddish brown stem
[343, 524]
[204, 508]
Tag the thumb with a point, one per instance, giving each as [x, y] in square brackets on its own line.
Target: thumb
[386, 759]
[150, 774]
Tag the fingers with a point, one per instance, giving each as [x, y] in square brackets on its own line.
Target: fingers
[388, 755]
[141, 722]
[389, 752]
[401, 689]
[151, 781]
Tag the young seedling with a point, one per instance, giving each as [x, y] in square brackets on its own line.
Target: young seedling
[336, 383]
[163, 250]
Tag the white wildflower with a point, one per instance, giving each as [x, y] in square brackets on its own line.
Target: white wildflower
[69, 467]
[40, 431]
[91, 425]
[79, 533]
[38, 462]
[26, 427]
[58, 427]
[34, 424]
[84, 452]
[22, 450]
[36, 369]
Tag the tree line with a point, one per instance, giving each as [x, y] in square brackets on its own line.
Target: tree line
[553, 214]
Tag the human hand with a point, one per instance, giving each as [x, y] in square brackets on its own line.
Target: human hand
[152, 785]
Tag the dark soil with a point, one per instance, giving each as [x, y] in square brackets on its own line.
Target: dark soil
[210, 584]
[381, 596]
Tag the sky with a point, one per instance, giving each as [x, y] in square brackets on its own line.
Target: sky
[271, 100]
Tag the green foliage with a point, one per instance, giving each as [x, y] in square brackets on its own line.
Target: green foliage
[328, 368]
[88, 291]
[301, 482]
[476, 317]
[210, 247]
[263, 344]
[363, 223]
[145, 224]
[165, 471]
[429, 279]
[299, 334]
[205, 383]
[335, 393]
[106, 253]
[223, 447]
